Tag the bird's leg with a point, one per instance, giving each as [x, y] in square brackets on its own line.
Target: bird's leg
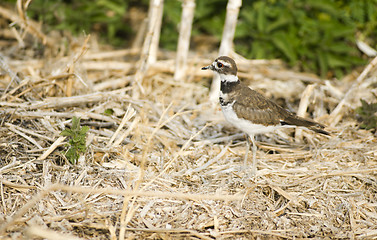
[247, 151]
[254, 164]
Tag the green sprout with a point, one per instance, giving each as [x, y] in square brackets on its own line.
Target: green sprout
[108, 112]
[77, 141]
[366, 114]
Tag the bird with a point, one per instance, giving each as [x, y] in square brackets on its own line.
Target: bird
[250, 111]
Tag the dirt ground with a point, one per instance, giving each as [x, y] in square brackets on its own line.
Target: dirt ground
[165, 164]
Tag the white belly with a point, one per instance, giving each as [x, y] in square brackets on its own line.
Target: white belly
[244, 125]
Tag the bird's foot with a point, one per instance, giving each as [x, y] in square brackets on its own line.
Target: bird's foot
[246, 174]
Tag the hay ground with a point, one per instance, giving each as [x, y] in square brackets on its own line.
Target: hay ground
[165, 164]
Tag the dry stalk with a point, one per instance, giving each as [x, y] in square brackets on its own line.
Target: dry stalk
[60, 187]
[337, 114]
[36, 231]
[110, 54]
[30, 139]
[126, 216]
[5, 67]
[27, 24]
[168, 165]
[127, 116]
[150, 46]
[209, 163]
[70, 68]
[63, 102]
[156, 18]
[41, 114]
[232, 11]
[188, 7]
[52, 148]
[304, 103]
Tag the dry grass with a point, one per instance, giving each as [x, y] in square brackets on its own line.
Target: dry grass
[165, 164]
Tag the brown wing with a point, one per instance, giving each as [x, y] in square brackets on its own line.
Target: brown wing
[255, 107]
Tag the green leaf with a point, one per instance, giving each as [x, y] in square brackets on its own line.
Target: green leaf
[282, 21]
[323, 64]
[335, 61]
[75, 123]
[261, 16]
[258, 50]
[339, 48]
[67, 133]
[367, 115]
[281, 42]
[83, 130]
[77, 141]
[108, 112]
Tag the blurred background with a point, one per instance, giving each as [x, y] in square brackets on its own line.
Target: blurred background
[318, 36]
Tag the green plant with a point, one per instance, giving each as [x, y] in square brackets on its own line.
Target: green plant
[364, 15]
[105, 17]
[367, 115]
[313, 35]
[77, 141]
[108, 112]
[316, 35]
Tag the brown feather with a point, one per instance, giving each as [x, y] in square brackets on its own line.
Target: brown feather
[253, 106]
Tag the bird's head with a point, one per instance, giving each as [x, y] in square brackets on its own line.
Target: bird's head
[223, 65]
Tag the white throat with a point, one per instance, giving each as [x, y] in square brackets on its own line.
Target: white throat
[228, 77]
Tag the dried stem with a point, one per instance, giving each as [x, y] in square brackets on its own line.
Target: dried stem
[188, 7]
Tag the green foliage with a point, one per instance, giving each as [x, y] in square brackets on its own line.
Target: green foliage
[316, 35]
[169, 30]
[108, 112]
[364, 14]
[367, 114]
[77, 141]
[105, 17]
[209, 17]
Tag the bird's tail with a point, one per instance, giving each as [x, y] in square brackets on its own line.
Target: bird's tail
[310, 124]
[319, 130]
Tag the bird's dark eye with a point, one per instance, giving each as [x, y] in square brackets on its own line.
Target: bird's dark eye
[220, 65]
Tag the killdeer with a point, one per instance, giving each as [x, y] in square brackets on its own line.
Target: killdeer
[249, 110]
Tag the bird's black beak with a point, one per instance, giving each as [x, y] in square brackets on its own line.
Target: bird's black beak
[208, 67]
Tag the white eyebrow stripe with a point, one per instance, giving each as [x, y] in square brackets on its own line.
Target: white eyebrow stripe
[224, 63]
